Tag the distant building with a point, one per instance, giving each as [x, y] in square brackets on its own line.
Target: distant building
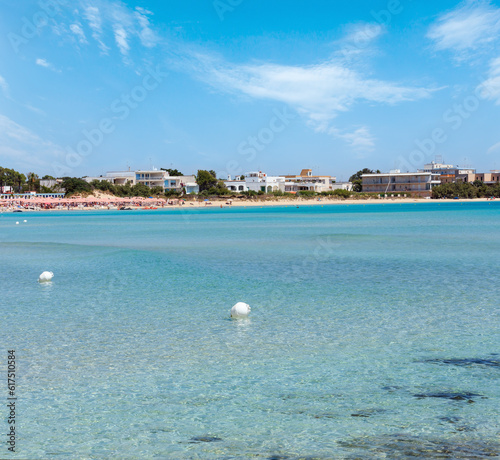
[28, 195]
[54, 184]
[155, 178]
[435, 167]
[90, 179]
[491, 178]
[151, 178]
[307, 182]
[449, 173]
[259, 181]
[342, 186]
[121, 177]
[114, 177]
[413, 183]
[236, 185]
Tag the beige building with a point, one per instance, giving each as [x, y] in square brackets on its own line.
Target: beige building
[307, 182]
[491, 178]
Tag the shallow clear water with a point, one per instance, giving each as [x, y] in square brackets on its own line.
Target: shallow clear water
[373, 328]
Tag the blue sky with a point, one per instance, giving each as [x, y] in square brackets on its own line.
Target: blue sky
[241, 85]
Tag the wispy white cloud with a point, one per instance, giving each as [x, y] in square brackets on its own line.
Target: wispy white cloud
[358, 41]
[20, 146]
[121, 40]
[35, 109]
[362, 34]
[472, 25]
[91, 13]
[44, 63]
[494, 149]
[4, 87]
[126, 25]
[318, 92]
[78, 31]
[93, 17]
[360, 140]
[147, 36]
[490, 88]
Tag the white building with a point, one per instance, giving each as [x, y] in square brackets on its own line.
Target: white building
[259, 181]
[413, 183]
[151, 178]
[155, 178]
[434, 166]
[180, 183]
[54, 184]
[121, 177]
[236, 185]
[342, 186]
[114, 177]
[90, 179]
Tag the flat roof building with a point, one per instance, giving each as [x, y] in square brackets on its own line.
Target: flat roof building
[307, 182]
[155, 178]
[413, 183]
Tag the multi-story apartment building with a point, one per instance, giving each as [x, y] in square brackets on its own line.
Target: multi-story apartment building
[413, 183]
[307, 182]
[155, 178]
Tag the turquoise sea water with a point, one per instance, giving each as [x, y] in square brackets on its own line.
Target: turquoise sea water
[374, 332]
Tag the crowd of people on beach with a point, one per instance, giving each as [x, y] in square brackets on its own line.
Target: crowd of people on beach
[80, 203]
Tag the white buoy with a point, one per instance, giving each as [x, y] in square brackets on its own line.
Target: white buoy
[25, 220]
[17, 223]
[45, 276]
[240, 310]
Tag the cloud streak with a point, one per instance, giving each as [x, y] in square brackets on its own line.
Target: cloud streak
[20, 146]
[125, 24]
[468, 28]
[360, 140]
[93, 17]
[318, 92]
[78, 31]
[44, 63]
[4, 87]
[121, 40]
[490, 88]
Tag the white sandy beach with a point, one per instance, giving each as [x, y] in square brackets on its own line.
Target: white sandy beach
[108, 202]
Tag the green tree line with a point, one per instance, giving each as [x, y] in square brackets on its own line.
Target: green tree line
[476, 189]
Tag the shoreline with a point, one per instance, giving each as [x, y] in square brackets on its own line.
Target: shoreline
[225, 204]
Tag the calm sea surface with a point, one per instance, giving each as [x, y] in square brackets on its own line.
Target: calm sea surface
[374, 332]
